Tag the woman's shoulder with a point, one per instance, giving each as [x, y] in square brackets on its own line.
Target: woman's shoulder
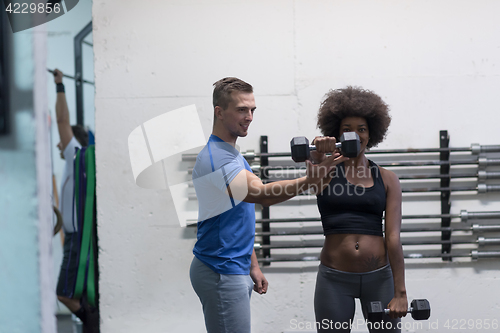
[388, 176]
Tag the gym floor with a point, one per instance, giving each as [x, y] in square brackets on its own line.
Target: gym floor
[65, 324]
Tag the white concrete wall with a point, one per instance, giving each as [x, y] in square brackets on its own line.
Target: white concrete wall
[435, 62]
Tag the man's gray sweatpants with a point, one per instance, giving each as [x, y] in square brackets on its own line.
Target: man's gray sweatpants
[225, 298]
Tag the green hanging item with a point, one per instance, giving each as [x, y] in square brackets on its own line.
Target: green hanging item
[87, 251]
[89, 220]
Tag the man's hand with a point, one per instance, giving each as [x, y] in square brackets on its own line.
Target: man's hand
[58, 76]
[259, 280]
[317, 172]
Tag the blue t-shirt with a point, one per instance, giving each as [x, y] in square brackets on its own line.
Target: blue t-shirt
[226, 227]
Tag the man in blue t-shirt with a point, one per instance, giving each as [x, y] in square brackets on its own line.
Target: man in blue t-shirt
[225, 269]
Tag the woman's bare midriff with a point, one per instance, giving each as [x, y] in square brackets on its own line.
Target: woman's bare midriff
[354, 253]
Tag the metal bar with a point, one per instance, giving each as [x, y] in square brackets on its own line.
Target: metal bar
[483, 162]
[87, 43]
[285, 220]
[489, 149]
[481, 188]
[290, 259]
[464, 215]
[307, 245]
[486, 162]
[482, 241]
[420, 150]
[265, 210]
[409, 228]
[249, 155]
[79, 71]
[475, 255]
[485, 228]
[318, 219]
[313, 243]
[319, 231]
[484, 254]
[72, 77]
[426, 163]
[444, 169]
[481, 175]
[262, 154]
[474, 149]
[480, 215]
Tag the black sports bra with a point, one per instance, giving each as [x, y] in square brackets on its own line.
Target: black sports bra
[352, 209]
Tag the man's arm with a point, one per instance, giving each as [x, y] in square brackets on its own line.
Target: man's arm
[249, 188]
[260, 281]
[62, 113]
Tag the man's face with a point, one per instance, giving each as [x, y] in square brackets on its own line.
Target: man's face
[239, 114]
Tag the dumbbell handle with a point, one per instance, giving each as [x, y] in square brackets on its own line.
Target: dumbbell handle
[387, 311]
[420, 309]
[338, 145]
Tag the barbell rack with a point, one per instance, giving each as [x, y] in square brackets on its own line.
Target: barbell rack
[420, 166]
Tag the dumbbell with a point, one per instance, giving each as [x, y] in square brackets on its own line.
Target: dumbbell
[420, 309]
[349, 146]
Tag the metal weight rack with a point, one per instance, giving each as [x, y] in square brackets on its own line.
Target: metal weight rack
[425, 239]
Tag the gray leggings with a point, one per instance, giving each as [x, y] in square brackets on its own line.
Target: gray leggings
[334, 303]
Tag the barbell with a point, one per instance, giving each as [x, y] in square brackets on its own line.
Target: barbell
[464, 217]
[481, 175]
[475, 149]
[73, 78]
[316, 243]
[476, 228]
[481, 188]
[474, 255]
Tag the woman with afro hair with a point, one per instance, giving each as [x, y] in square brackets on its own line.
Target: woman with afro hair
[357, 259]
